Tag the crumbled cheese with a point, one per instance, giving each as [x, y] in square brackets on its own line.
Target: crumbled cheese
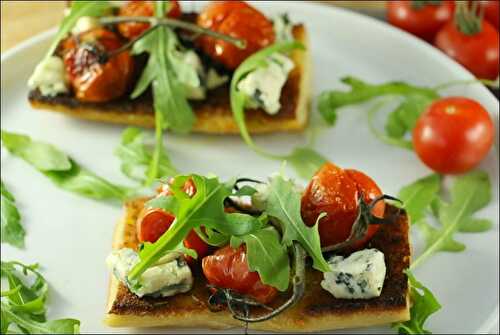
[190, 72]
[263, 86]
[49, 77]
[282, 28]
[359, 276]
[85, 23]
[169, 276]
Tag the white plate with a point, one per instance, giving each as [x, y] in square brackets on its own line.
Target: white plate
[70, 235]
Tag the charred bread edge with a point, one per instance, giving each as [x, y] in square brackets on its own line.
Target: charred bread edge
[187, 319]
[207, 123]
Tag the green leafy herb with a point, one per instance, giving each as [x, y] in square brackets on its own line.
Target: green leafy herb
[283, 204]
[11, 229]
[267, 256]
[469, 194]
[62, 170]
[78, 10]
[330, 101]
[23, 305]
[424, 304]
[172, 109]
[136, 156]
[402, 120]
[305, 160]
[418, 196]
[205, 208]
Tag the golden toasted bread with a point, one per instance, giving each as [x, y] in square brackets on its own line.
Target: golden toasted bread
[213, 114]
[317, 310]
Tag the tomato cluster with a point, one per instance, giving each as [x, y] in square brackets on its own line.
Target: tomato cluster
[436, 22]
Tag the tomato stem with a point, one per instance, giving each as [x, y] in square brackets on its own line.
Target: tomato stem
[156, 22]
[467, 20]
[419, 4]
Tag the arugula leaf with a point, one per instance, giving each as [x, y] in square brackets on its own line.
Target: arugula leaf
[305, 161]
[283, 204]
[62, 170]
[469, 194]
[136, 156]
[205, 208]
[81, 181]
[11, 229]
[403, 119]
[43, 156]
[23, 305]
[78, 9]
[424, 304]
[172, 110]
[360, 91]
[417, 197]
[267, 256]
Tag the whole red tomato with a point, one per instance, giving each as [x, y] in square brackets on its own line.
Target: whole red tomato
[239, 20]
[143, 8]
[478, 52]
[228, 268]
[420, 18]
[336, 192]
[491, 11]
[91, 79]
[453, 135]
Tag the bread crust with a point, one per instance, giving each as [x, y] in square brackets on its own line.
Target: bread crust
[318, 310]
[214, 115]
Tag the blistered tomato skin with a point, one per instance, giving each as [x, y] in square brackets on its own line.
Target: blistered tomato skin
[92, 80]
[132, 30]
[228, 268]
[239, 20]
[335, 191]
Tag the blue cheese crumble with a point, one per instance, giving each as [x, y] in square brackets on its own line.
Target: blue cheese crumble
[169, 276]
[359, 276]
[263, 86]
[49, 77]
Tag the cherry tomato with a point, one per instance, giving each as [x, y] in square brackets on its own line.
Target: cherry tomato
[424, 21]
[453, 135]
[336, 192]
[153, 223]
[131, 30]
[228, 268]
[491, 11]
[479, 52]
[236, 19]
[92, 80]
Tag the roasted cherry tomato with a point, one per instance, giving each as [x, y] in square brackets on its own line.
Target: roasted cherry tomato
[143, 8]
[336, 192]
[491, 11]
[453, 135]
[478, 52]
[236, 19]
[92, 78]
[228, 268]
[420, 18]
[153, 223]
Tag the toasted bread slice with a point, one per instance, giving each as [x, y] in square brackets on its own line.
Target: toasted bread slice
[213, 114]
[318, 310]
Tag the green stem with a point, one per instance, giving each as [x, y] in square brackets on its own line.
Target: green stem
[160, 21]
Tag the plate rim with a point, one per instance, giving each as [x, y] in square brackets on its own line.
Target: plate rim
[491, 322]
